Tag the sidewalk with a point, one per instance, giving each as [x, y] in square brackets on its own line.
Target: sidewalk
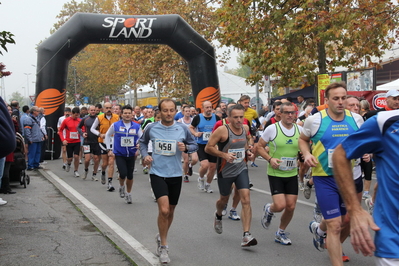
[39, 226]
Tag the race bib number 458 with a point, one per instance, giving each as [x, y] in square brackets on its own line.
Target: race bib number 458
[165, 147]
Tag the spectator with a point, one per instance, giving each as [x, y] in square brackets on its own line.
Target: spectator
[6, 131]
[34, 137]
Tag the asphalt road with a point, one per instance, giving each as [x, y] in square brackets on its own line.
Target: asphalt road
[192, 239]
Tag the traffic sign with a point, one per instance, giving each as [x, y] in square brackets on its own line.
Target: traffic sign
[77, 96]
[78, 103]
[32, 98]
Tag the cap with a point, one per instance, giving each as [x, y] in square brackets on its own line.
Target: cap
[149, 106]
[393, 93]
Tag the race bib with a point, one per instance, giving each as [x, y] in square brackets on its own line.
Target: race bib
[165, 147]
[127, 141]
[330, 153]
[240, 154]
[73, 135]
[206, 135]
[86, 148]
[288, 163]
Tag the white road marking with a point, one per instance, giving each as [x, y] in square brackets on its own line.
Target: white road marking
[136, 245]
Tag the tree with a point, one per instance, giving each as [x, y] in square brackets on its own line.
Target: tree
[6, 37]
[293, 39]
[17, 96]
[3, 73]
[106, 69]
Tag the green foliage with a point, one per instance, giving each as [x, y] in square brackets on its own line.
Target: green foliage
[293, 39]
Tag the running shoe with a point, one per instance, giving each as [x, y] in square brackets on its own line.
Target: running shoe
[67, 168]
[158, 241]
[64, 166]
[110, 187]
[3, 202]
[318, 241]
[224, 212]
[201, 183]
[234, 216]
[253, 164]
[80, 161]
[369, 205]
[103, 179]
[248, 240]
[186, 179]
[122, 192]
[267, 216]
[208, 189]
[344, 257]
[85, 175]
[163, 255]
[301, 186]
[282, 238]
[145, 170]
[307, 190]
[76, 174]
[190, 170]
[366, 195]
[94, 178]
[217, 225]
[128, 198]
[317, 215]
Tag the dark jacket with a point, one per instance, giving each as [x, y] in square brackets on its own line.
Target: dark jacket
[7, 133]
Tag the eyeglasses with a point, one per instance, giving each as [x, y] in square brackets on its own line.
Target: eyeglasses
[289, 113]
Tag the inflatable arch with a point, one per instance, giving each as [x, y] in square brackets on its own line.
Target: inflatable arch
[84, 28]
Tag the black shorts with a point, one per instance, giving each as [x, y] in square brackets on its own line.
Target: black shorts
[359, 184]
[170, 186]
[241, 181]
[73, 148]
[283, 185]
[94, 149]
[202, 155]
[103, 148]
[125, 166]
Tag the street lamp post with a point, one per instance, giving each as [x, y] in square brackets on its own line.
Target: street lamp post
[27, 83]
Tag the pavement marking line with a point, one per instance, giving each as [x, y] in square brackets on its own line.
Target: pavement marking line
[268, 193]
[136, 245]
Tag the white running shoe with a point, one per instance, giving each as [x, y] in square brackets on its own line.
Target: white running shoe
[128, 198]
[201, 183]
[217, 225]
[94, 178]
[366, 195]
[282, 238]
[234, 216]
[85, 175]
[163, 255]
[76, 173]
[122, 191]
[307, 191]
[369, 205]
[158, 241]
[67, 168]
[224, 212]
[267, 216]
[110, 187]
[103, 179]
[318, 241]
[248, 240]
[301, 186]
[3, 202]
[208, 189]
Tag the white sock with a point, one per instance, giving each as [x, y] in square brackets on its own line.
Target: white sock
[320, 232]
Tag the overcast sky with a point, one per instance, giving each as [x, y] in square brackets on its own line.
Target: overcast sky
[30, 21]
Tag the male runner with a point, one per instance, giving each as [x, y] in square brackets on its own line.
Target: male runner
[232, 168]
[201, 127]
[326, 129]
[99, 128]
[90, 143]
[282, 169]
[169, 140]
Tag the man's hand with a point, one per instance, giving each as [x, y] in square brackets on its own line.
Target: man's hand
[181, 146]
[147, 159]
[310, 160]
[360, 222]
[65, 142]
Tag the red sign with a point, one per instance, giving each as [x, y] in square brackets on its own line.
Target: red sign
[77, 96]
[106, 99]
[32, 98]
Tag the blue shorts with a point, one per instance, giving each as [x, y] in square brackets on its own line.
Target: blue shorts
[328, 197]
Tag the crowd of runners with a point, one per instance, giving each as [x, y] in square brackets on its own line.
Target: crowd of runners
[297, 140]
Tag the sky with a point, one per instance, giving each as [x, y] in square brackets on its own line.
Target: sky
[30, 21]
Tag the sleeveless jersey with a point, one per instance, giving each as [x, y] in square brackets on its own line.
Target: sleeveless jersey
[206, 127]
[125, 139]
[234, 144]
[329, 135]
[284, 148]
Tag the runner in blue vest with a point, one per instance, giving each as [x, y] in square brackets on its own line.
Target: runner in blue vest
[125, 134]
